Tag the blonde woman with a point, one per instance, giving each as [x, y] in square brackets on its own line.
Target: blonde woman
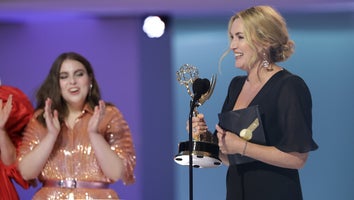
[259, 40]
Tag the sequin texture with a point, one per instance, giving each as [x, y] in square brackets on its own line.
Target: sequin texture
[74, 158]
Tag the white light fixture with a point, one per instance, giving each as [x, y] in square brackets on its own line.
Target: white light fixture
[154, 27]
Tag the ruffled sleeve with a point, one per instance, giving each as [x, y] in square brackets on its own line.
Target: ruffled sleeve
[8, 173]
[295, 116]
[33, 133]
[119, 137]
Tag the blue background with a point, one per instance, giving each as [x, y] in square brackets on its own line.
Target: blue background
[138, 75]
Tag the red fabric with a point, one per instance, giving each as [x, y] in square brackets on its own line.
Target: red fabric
[21, 113]
[7, 189]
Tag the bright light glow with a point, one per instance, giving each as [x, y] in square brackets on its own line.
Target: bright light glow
[154, 27]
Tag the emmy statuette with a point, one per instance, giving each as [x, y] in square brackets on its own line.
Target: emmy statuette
[202, 149]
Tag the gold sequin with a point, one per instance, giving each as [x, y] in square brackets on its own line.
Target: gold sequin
[73, 156]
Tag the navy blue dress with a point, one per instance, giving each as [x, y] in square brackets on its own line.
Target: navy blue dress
[285, 107]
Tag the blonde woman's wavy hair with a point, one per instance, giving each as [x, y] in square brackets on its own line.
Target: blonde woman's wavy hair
[266, 32]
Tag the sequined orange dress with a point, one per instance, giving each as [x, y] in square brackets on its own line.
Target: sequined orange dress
[73, 158]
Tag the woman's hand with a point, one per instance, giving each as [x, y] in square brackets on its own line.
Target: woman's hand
[51, 118]
[229, 143]
[198, 125]
[7, 148]
[34, 161]
[96, 117]
[5, 112]
[110, 163]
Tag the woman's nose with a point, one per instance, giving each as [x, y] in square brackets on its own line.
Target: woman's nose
[233, 45]
[72, 80]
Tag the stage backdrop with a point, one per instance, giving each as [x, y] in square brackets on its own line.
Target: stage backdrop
[133, 73]
[138, 75]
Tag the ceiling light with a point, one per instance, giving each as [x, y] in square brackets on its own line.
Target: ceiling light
[154, 27]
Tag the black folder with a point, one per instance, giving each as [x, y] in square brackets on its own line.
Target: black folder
[235, 121]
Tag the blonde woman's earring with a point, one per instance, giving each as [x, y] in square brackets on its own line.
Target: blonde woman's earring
[266, 64]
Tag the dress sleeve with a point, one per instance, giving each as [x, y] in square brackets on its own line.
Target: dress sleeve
[119, 137]
[32, 135]
[295, 117]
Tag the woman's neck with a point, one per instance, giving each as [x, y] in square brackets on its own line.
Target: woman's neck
[259, 76]
[73, 114]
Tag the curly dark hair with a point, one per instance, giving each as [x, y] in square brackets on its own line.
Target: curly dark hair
[50, 88]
